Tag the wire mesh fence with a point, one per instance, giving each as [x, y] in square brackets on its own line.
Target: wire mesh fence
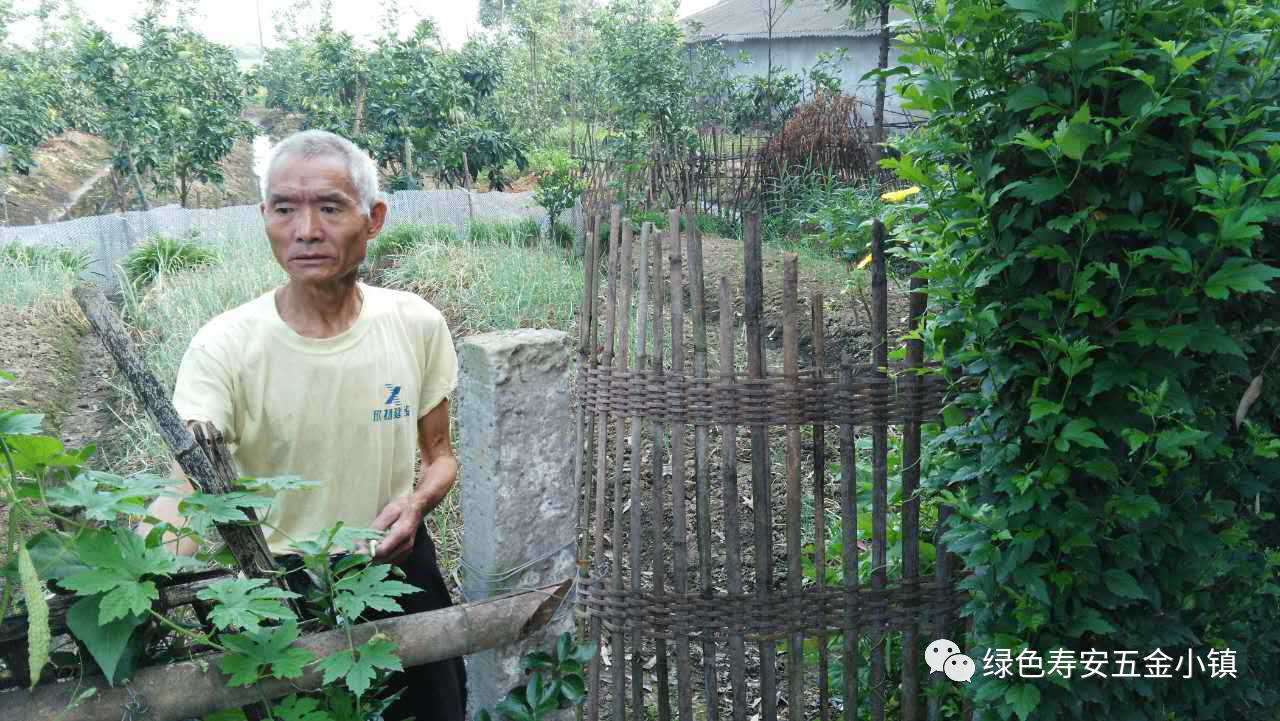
[107, 239]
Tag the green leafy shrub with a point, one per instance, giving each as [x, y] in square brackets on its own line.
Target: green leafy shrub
[164, 254]
[557, 682]
[1095, 176]
[559, 185]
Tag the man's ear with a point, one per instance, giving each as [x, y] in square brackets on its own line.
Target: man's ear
[377, 216]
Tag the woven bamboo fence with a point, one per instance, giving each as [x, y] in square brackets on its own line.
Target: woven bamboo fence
[685, 568]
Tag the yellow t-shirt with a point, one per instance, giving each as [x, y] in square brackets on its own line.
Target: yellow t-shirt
[341, 410]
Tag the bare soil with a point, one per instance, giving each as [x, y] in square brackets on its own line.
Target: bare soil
[63, 164]
[71, 180]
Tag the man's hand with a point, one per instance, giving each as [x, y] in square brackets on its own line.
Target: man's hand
[401, 519]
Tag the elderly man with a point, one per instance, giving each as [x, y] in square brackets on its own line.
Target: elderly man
[333, 380]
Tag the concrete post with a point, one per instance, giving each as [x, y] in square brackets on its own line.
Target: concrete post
[519, 504]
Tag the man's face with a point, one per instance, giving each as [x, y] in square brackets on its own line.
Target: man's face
[313, 217]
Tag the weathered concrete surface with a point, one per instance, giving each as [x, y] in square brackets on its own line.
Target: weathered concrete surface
[519, 506]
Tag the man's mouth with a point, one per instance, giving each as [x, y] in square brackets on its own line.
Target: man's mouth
[311, 257]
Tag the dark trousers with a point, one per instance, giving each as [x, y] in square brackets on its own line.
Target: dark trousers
[434, 691]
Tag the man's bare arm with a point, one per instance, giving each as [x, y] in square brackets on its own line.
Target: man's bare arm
[402, 518]
[165, 508]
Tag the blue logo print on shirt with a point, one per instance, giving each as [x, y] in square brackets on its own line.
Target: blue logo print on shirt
[391, 410]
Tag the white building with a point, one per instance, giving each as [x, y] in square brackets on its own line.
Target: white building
[800, 33]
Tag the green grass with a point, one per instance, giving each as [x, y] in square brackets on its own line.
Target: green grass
[510, 232]
[401, 239]
[32, 275]
[494, 281]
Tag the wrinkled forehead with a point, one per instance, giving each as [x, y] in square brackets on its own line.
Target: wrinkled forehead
[298, 177]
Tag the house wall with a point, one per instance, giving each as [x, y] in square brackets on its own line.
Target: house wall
[797, 55]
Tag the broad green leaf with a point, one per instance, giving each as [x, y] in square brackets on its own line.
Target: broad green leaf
[248, 654]
[358, 669]
[37, 615]
[299, 708]
[246, 602]
[1273, 188]
[278, 483]
[1052, 10]
[1090, 621]
[118, 560]
[1041, 408]
[573, 688]
[1027, 96]
[514, 708]
[1040, 189]
[1077, 432]
[108, 643]
[17, 423]
[1122, 584]
[32, 453]
[1024, 699]
[368, 589]
[204, 510]
[1242, 275]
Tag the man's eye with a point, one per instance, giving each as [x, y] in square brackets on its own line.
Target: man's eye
[281, 210]
[329, 209]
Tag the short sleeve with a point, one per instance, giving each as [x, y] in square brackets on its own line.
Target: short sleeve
[203, 391]
[440, 369]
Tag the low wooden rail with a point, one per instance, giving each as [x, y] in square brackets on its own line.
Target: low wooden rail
[196, 688]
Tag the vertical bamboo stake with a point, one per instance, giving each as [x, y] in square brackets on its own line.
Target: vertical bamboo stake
[663, 681]
[637, 537]
[617, 639]
[753, 293]
[680, 524]
[698, 296]
[849, 543]
[942, 581]
[729, 475]
[791, 371]
[911, 503]
[879, 461]
[586, 421]
[820, 504]
[602, 450]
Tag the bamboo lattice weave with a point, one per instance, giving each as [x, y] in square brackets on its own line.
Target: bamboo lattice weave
[774, 616]
[774, 400]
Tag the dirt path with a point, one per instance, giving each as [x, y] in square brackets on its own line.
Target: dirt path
[74, 197]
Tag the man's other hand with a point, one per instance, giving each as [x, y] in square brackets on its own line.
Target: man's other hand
[401, 519]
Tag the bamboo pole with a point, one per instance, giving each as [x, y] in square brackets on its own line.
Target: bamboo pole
[911, 502]
[637, 530]
[729, 477]
[680, 524]
[661, 670]
[196, 688]
[879, 464]
[702, 486]
[820, 505]
[617, 637]
[602, 451]
[753, 294]
[211, 474]
[795, 566]
[849, 547]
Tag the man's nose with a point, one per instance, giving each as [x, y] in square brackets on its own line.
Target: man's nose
[308, 225]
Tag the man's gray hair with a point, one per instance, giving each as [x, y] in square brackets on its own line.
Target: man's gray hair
[322, 143]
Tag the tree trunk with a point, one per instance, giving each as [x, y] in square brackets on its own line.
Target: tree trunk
[121, 199]
[877, 149]
[137, 181]
[410, 183]
[183, 190]
[359, 123]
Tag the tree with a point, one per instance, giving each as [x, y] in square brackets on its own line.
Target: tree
[860, 11]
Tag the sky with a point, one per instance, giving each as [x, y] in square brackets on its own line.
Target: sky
[234, 22]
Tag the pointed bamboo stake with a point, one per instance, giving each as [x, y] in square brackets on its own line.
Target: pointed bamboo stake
[879, 464]
[637, 531]
[795, 566]
[729, 477]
